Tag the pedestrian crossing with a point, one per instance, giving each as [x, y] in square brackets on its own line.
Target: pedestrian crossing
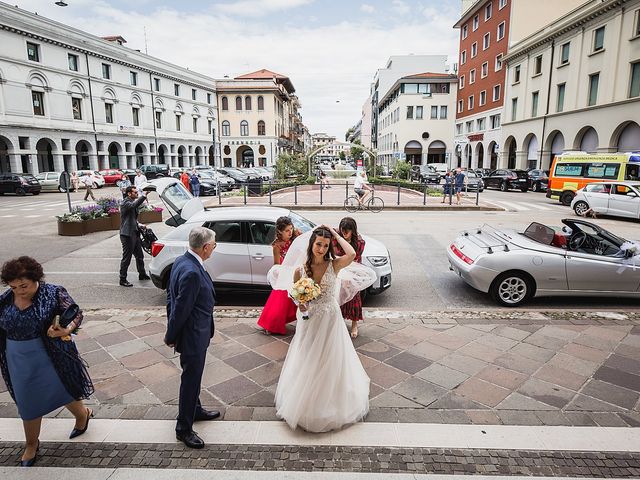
[29, 207]
[526, 206]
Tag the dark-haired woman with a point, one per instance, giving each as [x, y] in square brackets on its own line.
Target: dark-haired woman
[352, 310]
[323, 385]
[40, 364]
[279, 309]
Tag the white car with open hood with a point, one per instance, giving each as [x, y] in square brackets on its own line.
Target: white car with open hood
[243, 255]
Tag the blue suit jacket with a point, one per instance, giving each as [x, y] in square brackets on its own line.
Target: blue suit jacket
[190, 302]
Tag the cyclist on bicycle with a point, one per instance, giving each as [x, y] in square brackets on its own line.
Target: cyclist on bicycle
[361, 187]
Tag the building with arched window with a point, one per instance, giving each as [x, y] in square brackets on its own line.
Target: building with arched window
[575, 85]
[70, 100]
[265, 122]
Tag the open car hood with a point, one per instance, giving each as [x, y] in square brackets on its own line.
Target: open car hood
[178, 200]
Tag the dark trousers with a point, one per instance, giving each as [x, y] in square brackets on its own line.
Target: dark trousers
[89, 193]
[190, 381]
[131, 246]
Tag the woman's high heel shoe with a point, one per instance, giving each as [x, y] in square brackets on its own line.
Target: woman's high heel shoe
[31, 461]
[76, 432]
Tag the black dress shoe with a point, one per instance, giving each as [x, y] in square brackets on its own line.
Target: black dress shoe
[124, 283]
[205, 415]
[190, 439]
[76, 432]
[144, 277]
[31, 462]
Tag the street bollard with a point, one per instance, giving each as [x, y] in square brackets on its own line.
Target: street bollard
[219, 195]
[398, 193]
[244, 193]
[346, 189]
[269, 191]
[477, 196]
[321, 190]
[295, 194]
[424, 196]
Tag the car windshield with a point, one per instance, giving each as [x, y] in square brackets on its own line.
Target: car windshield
[540, 233]
[471, 174]
[301, 223]
[176, 196]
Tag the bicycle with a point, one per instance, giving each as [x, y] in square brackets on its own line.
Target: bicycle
[374, 204]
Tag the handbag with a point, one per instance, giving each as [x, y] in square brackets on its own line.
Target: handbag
[147, 237]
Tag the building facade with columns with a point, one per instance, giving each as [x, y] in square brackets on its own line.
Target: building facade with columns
[575, 85]
[70, 100]
[415, 120]
[488, 29]
[259, 119]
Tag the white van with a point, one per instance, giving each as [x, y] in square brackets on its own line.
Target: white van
[441, 168]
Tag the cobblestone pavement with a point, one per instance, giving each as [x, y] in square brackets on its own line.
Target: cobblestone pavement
[511, 367]
[332, 459]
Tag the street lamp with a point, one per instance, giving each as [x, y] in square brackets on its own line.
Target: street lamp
[61, 3]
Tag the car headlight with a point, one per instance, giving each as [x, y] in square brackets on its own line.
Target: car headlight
[378, 261]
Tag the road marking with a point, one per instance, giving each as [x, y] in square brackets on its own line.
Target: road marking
[8, 216]
[32, 216]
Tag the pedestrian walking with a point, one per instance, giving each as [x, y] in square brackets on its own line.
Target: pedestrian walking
[122, 184]
[130, 236]
[87, 181]
[459, 180]
[40, 363]
[448, 183]
[75, 181]
[184, 178]
[194, 182]
[139, 180]
[190, 327]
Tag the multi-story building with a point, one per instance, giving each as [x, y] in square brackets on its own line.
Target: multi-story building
[487, 30]
[326, 147]
[415, 119]
[70, 100]
[575, 85]
[397, 67]
[259, 119]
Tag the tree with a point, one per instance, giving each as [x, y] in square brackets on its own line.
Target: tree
[288, 165]
[357, 152]
[342, 155]
[402, 170]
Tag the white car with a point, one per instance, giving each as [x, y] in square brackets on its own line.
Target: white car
[620, 199]
[98, 180]
[244, 235]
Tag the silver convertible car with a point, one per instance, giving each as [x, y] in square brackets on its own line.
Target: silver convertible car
[244, 236]
[579, 259]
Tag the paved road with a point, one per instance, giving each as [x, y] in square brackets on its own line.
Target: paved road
[416, 240]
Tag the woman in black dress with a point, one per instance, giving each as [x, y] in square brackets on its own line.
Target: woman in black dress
[40, 363]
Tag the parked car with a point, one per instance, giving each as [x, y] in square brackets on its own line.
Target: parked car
[226, 183]
[483, 172]
[539, 180]
[50, 182]
[111, 176]
[244, 236]
[19, 183]
[581, 259]
[267, 173]
[620, 199]
[98, 180]
[441, 168]
[473, 181]
[425, 174]
[506, 179]
[155, 171]
[238, 175]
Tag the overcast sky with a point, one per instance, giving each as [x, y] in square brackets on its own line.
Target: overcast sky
[329, 48]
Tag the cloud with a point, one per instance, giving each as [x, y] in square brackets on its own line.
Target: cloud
[400, 7]
[326, 61]
[256, 8]
[366, 8]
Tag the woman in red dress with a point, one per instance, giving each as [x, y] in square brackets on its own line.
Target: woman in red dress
[279, 309]
[352, 310]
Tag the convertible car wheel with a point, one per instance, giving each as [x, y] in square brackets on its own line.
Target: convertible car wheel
[581, 208]
[511, 289]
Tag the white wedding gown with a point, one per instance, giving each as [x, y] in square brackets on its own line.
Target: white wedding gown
[323, 385]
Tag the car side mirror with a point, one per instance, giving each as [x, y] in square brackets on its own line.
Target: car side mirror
[628, 253]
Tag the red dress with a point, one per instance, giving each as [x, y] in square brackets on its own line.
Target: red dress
[279, 309]
[352, 310]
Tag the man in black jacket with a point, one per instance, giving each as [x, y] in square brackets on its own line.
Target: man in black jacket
[129, 236]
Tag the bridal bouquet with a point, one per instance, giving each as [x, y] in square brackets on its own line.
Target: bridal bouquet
[303, 291]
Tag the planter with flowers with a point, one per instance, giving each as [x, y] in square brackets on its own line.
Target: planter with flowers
[149, 214]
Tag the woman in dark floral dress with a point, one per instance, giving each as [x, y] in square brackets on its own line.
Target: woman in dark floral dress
[40, 363]
[352, 310]
[279, 309]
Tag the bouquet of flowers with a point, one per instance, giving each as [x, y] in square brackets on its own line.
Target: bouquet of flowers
[304, 291]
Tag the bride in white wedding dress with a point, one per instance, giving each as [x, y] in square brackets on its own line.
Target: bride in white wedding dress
[323, 385]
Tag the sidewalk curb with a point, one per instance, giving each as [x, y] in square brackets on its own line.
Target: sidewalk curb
[433, 208]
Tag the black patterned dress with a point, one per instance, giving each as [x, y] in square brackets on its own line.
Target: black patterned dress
[352, 310]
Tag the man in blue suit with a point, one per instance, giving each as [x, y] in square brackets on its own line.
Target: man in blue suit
[190, 327]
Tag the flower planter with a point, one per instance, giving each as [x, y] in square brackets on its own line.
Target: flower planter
[71, 229]
[150, 217]
[115, 221]
[97, 225]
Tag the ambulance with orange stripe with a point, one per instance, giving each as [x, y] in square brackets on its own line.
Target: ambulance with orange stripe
[572, 171]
